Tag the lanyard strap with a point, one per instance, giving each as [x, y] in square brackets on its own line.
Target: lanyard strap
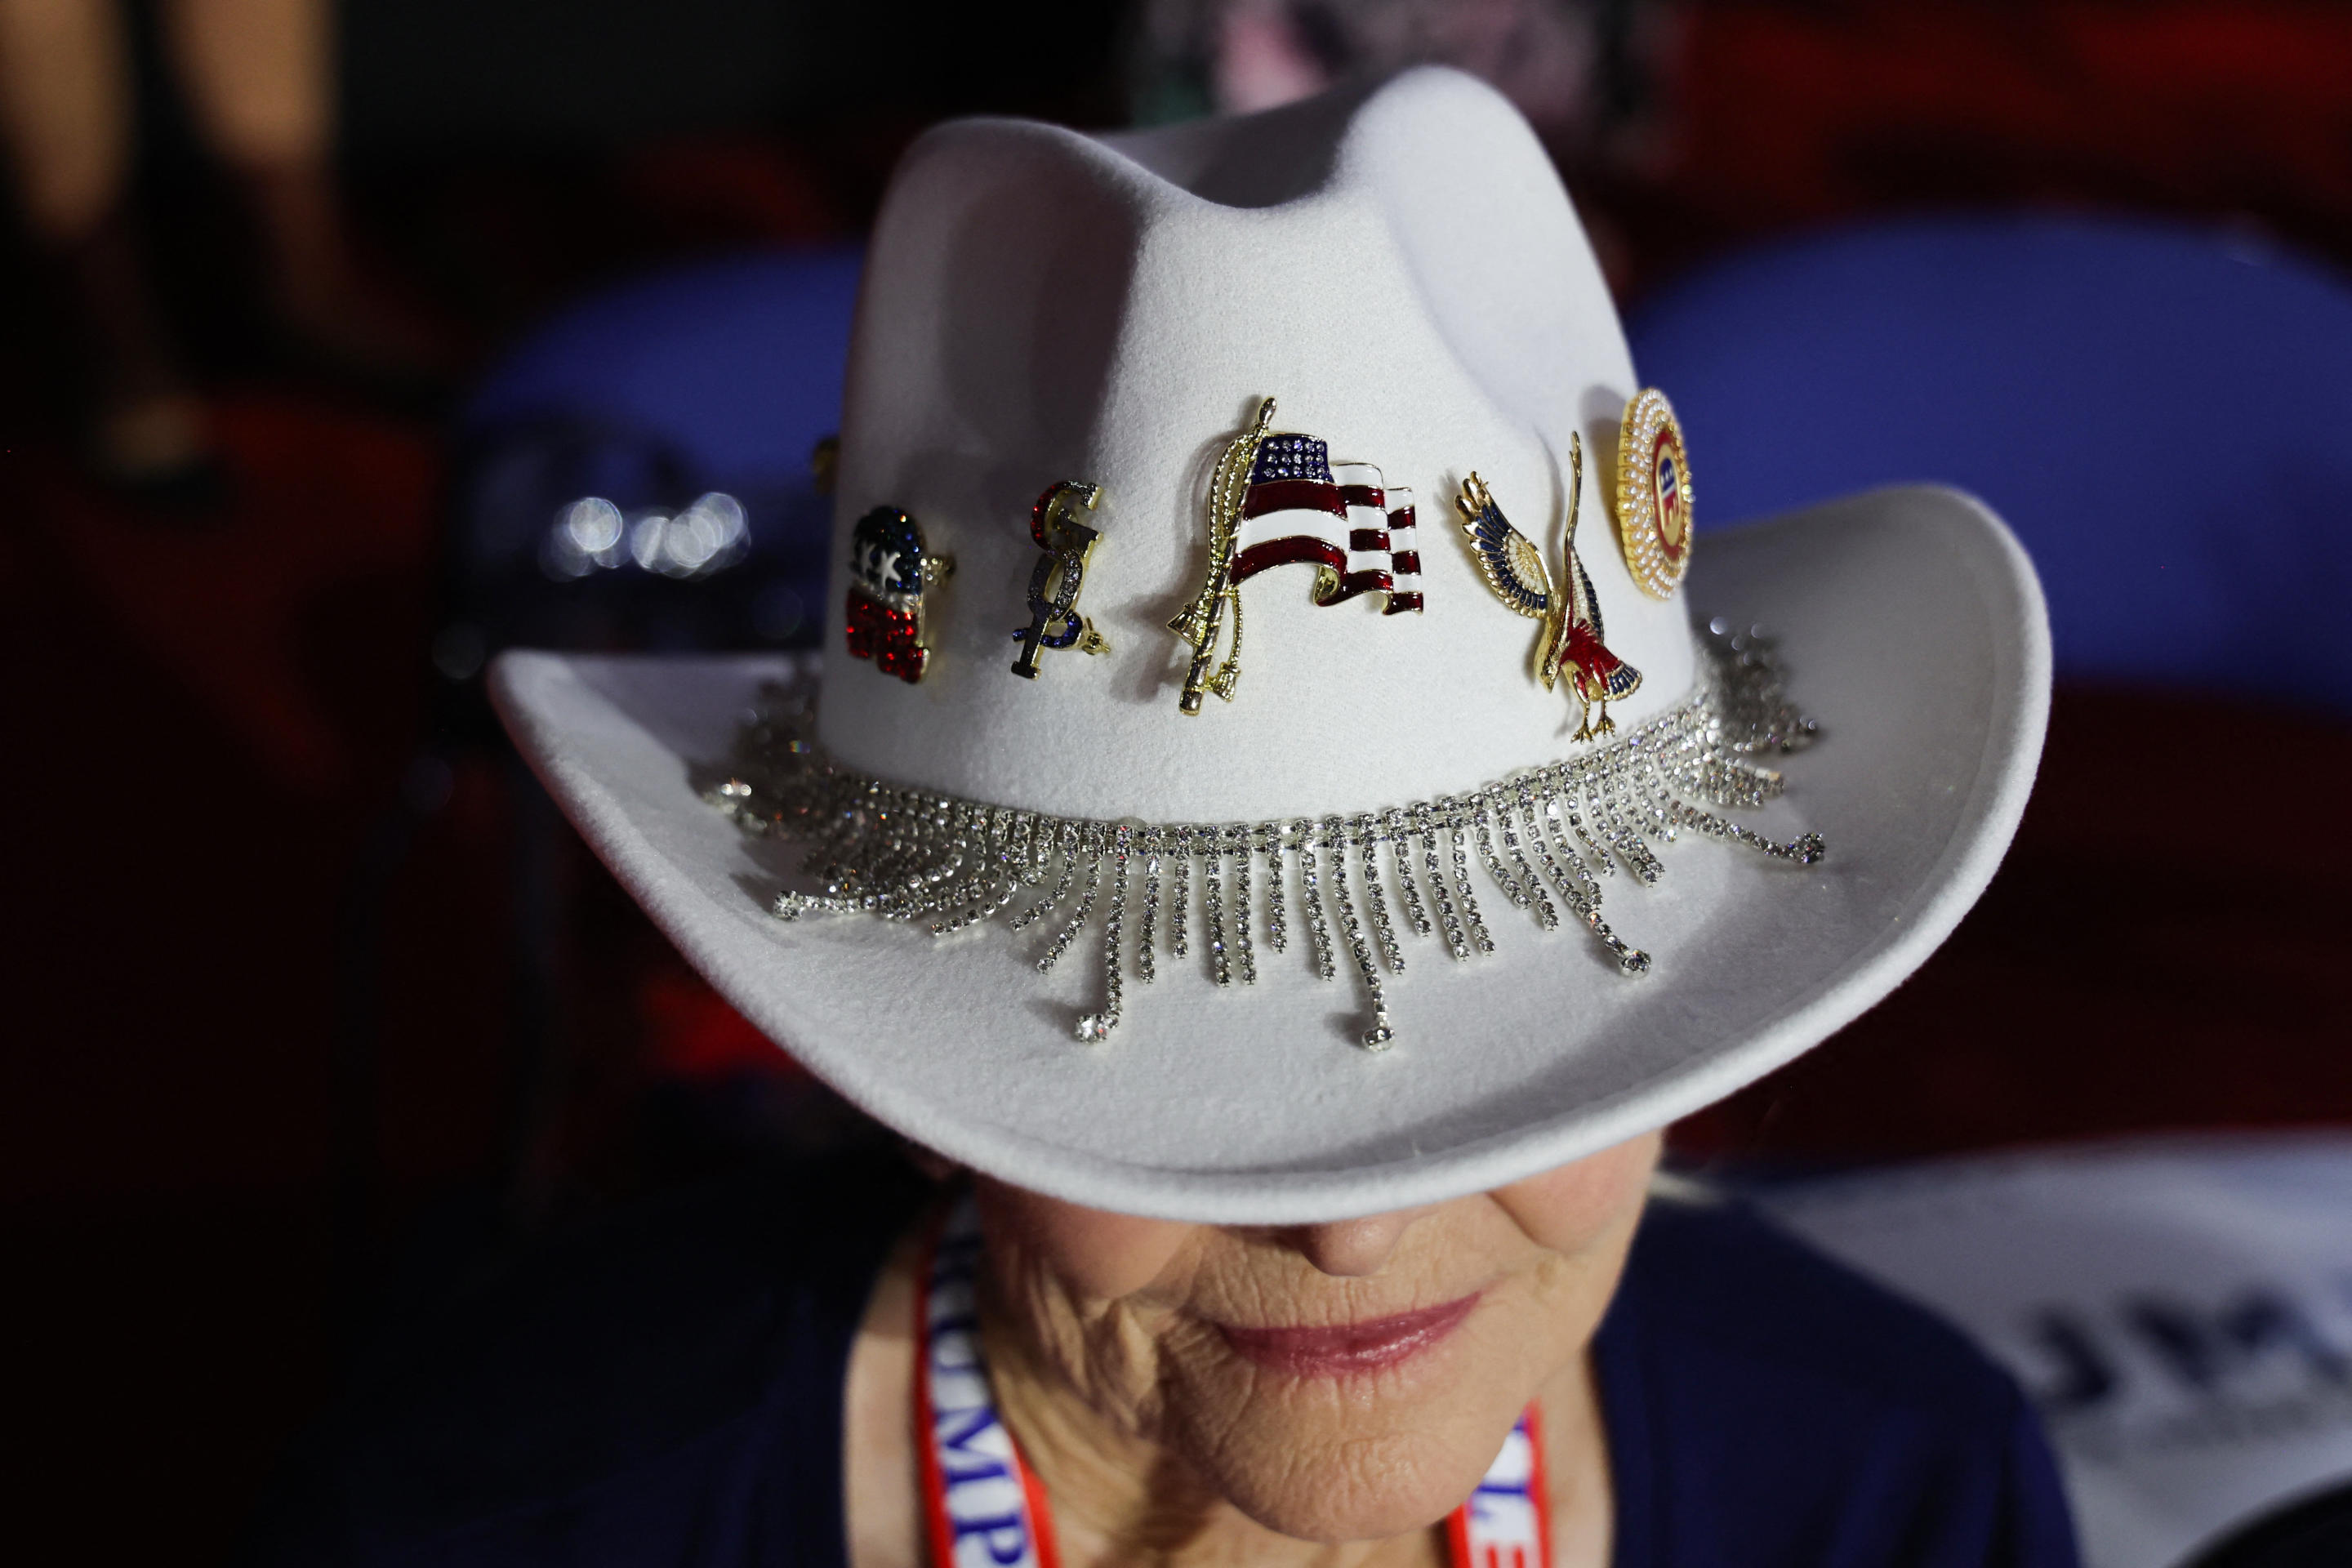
[983, 1507]
[1507, 1522]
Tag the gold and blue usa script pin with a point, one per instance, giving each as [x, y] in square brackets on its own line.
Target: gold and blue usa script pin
[1059, 575]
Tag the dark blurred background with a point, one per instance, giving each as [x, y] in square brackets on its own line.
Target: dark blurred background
[303, 984]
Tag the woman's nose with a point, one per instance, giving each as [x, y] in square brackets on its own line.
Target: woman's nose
[1351, 1247]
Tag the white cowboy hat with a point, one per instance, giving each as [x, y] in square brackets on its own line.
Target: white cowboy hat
[1401, 269]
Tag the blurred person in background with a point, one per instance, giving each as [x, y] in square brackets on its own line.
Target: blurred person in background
[1240, 56]
[1587, 74]
[258, 80]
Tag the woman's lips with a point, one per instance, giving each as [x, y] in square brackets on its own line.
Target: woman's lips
[1346, 1348]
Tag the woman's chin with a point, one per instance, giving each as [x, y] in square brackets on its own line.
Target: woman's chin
[1347, 1500]
[1381, 1474]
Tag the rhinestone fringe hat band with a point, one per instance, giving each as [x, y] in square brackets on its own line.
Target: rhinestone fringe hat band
[1544, 837]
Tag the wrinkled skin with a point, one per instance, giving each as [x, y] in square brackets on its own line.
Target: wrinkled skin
[1158, 1441]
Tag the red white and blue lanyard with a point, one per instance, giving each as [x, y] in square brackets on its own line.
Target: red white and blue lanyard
[983, 1507]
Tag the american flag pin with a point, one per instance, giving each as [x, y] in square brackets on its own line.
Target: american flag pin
[1571, 641]
[1054, 522]
[891, 573]
[1277, 499]
[1654, 493]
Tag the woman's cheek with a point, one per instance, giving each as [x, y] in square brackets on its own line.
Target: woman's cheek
[1569, 1209]
[1095, 1254]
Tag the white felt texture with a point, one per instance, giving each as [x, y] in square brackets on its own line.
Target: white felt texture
[1402, 270]
[1911, 624]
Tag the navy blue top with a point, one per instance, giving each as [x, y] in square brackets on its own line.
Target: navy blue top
[667, 1391]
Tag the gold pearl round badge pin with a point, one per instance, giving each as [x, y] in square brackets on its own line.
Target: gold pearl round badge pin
[1653, 494]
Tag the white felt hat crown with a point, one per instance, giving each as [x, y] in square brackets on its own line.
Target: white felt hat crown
[1401, 269]
[1402, 272]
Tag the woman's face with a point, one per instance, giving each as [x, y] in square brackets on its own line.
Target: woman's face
[1342, 1382]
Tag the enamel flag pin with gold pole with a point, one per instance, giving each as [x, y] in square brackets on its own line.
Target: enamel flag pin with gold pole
[1204, 619]
[1571, 641]
[1278, 499]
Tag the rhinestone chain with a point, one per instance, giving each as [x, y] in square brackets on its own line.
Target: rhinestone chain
[1559, 829]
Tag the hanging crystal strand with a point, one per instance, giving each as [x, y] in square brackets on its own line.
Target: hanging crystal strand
[960, 882]
[1576, 807]
[1663, 802]
[939, 845]
[793, 906]
[1401, 847]
[1630, 960]
[1582, 893]
[1013, 852]
[1096, 1028]
[1367, 833]
[1069, 847]
[1580, 897]
[1269, 844]
[990, 904]
[880, 870]
[866, 860]
[1035, 858]
[870, 866]
[1616, 832]
[1180, 890]
[1745, 680]
[1456, 825]
[1598, 780]
[1457, 941]
[1734, 782]
[1545, 915]
[1310, 897]
[912, 863]
[997, 860]
[1646, 794]
[1211, 844]
[1041, 850]
[988, 888]
[969, 911]
[1805, 850]
[1481, 816]
[1638, 793]
[840, 834]
[1761, 784]
[1335, 838]
[916, 852]
[1092, 841]
[1675, 770]
[1693, 762]
[955, 898]
[996, 875]
[1143, 937]
[1237, 841]
[1624, 811]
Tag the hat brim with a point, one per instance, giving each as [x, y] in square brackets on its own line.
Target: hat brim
[1910, 624]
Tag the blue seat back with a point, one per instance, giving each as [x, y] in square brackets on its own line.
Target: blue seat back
[2164, 415]
[718, 376]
